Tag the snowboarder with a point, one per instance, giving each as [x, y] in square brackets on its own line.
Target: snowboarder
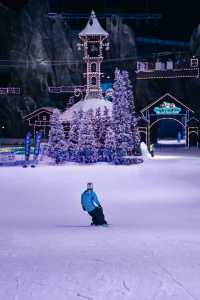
[90, 203]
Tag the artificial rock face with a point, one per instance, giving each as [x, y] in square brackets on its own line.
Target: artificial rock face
[32, 40]
[40, 40]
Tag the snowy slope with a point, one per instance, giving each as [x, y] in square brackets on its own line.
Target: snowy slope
[85, 105]
[151, 251]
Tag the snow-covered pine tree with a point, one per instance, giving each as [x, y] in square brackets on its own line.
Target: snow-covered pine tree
[109, 146]
[131, 101]
[87, 152]
[57, 145]
[121, 118]
[73, 136]
[129, 89]
[136, 140]
[97, 124]
[106, 123]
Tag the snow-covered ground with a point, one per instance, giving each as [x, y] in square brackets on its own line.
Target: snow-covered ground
[171, 142]
[150, 252]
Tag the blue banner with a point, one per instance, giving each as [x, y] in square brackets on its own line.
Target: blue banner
[27, 144]
[37, 143]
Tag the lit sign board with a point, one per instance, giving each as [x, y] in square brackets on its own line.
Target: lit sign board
[167, 108]
[106, 86]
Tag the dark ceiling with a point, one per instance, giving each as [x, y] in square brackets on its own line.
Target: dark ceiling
[179, 17]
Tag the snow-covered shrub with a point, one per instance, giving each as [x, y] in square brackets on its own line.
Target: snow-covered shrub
[121, 117]
[73, 136]
[87, 152]
[131, 103]
[109, 150]
[57, 146]
[128, 160]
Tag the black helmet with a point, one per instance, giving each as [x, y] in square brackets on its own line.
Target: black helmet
[89, 186]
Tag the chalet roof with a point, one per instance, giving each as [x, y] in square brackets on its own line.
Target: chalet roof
[193, 119]
[166, 95]
[142, 120]
[93, 27]
[38, 110]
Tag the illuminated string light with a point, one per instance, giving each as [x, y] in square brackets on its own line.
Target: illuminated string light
[76, 89]
[10, 91]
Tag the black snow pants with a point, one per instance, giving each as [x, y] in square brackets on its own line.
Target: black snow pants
[97, 216]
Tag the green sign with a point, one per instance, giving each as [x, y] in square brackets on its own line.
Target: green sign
[167, 108]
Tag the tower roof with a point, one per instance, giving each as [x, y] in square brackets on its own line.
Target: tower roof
[93, 27]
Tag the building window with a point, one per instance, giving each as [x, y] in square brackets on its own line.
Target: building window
[93, 49]
[44, 118]
[94, 81]
[93, 67]
[194, 62]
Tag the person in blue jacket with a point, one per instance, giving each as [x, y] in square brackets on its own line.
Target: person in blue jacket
[90, 203]
[178, 137]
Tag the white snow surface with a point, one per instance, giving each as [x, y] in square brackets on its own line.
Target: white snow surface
[85, 105]
[150, 251]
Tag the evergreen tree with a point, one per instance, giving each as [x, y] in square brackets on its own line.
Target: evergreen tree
[73, 136]
[105, 124]
[130, 96]
[87, 152]
[131, 101]
[57, 144]
[121, 117]
[136, 140]
[97, 124]
[109, 146]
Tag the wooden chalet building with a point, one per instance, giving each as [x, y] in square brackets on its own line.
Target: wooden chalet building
[39, 120]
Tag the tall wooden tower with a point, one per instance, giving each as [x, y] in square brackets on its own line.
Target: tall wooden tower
[93, 39]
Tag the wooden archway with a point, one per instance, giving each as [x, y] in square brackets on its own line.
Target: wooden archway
[168, 118]
[165, 118]
[193, 131]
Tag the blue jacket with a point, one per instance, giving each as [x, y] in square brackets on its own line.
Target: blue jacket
[89, 201]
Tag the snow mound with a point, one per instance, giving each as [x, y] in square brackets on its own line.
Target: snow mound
[145, 151]
[85, 105]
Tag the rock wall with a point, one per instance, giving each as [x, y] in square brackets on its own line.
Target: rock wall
[32, 41]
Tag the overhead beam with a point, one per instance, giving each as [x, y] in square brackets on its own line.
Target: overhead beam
[162, 42]
[130, 16]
